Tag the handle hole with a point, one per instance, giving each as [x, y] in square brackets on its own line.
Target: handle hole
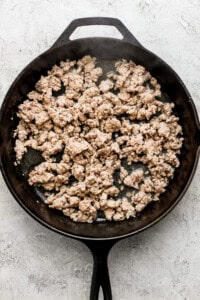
[101, 293]
[96, 30]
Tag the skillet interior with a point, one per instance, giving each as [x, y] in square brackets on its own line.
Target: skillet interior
[106, 50]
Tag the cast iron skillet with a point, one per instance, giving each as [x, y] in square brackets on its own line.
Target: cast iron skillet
[100, 236]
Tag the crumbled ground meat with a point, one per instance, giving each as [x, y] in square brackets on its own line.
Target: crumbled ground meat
[101, 128]
[134, 178]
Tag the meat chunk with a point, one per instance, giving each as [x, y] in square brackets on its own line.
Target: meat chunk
[134, 178]
[20, 149]
[76, 146]
[106, 85]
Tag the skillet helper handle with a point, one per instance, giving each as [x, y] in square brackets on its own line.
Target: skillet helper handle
[100, 276]
[65, 36]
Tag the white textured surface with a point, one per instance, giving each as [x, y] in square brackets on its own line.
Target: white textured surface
[164, 261]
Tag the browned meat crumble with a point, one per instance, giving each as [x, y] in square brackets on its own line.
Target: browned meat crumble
[116, 126]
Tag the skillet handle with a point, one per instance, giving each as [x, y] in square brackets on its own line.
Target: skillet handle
[65, 36]
[100, 276]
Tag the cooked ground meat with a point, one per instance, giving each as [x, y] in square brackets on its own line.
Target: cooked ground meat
[97, 125]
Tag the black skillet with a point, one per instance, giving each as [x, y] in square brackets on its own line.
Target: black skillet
[100, 236]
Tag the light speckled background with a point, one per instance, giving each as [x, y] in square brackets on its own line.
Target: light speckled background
[164, 261]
